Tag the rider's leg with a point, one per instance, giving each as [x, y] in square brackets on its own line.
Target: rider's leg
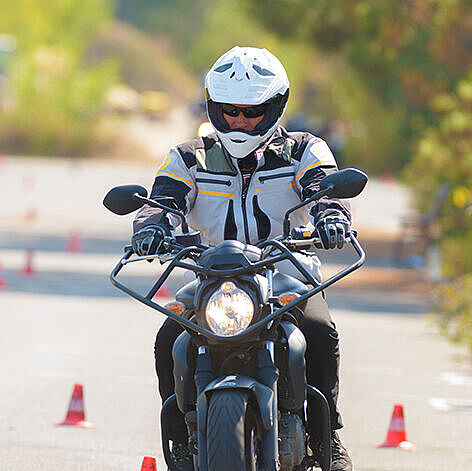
[322, 361]
[165, 339]
[322, 368]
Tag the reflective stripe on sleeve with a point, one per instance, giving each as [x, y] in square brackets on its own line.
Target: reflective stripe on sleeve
[188, 182]
[316, 164]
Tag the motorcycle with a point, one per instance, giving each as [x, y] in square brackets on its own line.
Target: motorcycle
[239, 364]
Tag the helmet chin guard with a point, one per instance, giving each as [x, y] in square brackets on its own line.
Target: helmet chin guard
[239, 144]
[246, 76]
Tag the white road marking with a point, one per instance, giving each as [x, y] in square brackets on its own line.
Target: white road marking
[452, 404]
[457, 379]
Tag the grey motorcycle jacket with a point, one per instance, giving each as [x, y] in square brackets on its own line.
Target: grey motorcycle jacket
[200, 178]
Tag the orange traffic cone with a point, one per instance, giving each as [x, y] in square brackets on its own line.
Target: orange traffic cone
[3, 283]
[76, 413]
[28, 269]
[74, 243]
[163, 292]
[149, 464]
[3, 159]
[396, 435]
[28, 181]
[31, 215]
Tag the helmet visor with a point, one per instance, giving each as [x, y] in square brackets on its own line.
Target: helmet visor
[249, 112]
[271, 109]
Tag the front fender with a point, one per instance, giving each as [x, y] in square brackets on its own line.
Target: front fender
[263, 395]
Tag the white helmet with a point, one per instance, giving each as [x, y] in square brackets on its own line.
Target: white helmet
[246, 76]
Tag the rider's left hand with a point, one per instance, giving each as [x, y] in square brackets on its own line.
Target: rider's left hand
[332, 227]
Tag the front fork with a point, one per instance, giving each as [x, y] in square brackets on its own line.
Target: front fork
[268, 375]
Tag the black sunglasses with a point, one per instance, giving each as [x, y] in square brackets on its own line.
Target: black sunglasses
[249, 112]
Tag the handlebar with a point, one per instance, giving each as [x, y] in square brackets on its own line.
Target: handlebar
[190, 252]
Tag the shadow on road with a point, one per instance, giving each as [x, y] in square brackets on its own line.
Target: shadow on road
[378, 301]
[98, 285]
[76, 284]
[15, 241]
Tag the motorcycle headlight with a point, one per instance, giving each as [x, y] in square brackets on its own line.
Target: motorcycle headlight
[229, 310]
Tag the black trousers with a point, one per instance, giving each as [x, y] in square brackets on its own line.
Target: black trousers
[322, 365]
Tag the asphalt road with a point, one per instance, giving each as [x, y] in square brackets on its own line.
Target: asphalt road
[48, 342]
[67, 325]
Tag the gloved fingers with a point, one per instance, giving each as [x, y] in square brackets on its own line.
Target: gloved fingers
[332, 230]
[332, 234]
[146, 244]
[324, 235]
[340, 235]
[137, 245]
[134, 244]
[156, 242]
[142, 242]
[141, 246]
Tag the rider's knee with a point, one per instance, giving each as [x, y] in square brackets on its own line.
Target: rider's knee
[320, 334]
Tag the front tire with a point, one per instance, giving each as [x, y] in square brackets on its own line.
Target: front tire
[232, 438]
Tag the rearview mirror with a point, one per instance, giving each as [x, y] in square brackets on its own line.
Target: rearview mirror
[346, 183]
[120, 200]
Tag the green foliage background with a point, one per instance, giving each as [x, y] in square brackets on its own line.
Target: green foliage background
[53, 95]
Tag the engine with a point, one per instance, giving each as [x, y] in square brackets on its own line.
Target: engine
[291, 441]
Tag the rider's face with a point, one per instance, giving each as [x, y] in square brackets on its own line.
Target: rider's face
[241, 122]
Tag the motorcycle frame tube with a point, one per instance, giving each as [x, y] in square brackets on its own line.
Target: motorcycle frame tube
[269, 375]
[164, 428]
[326, 426]
[286, 254]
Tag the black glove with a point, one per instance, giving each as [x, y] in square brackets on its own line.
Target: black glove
[149, 239]
[332, 227]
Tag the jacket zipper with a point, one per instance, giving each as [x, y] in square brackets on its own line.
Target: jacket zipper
[243, 204]
[246, 229]
[279, 175]
[214, 180]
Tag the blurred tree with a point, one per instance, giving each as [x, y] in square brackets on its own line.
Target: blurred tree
[182, 19]
[444, 155]
[407, 52]
[53, 22]
[52, 95]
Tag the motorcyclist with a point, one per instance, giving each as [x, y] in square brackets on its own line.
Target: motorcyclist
[237, 183]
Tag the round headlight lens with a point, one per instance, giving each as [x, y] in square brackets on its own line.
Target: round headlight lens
[229, 310]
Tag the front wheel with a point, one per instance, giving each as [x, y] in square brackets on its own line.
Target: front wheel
[233, 442]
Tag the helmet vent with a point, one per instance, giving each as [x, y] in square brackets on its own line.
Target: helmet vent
[261, 71]
[232, 75]
[247, 75]
[223, 68]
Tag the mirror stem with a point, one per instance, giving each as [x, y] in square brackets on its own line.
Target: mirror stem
[318, 195]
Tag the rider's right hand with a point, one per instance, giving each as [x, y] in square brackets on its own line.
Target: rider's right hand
[149, 240]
